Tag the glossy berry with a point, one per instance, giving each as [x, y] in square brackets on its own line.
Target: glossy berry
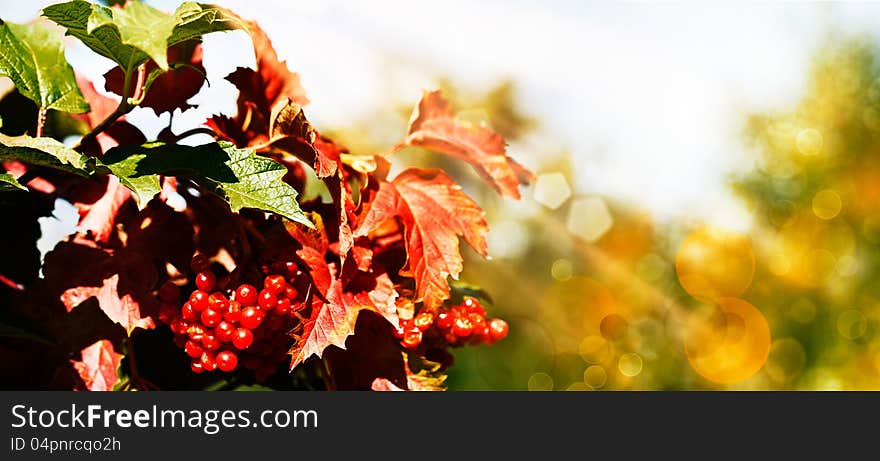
[267, 300]
[218, 301]
[199, 300]
[206, 281]
[209, 361]
[196, 332]
[196, 367]
[227, 361]
[412, 339]
[462, 326]
[275, 284]
[246, 295]
[498, 329]
[283, 307]
[224, 331]
[211, 318]
[444, 320]
[477, 320]
[210, 342]
[193, 349]
[169, 292]
[188, 313]
[233, 313]
[472, 306]
[423, 321]
[243, 338]
[199, 263]
[251, 317]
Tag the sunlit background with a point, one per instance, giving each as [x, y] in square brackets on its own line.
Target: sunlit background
[707, 208]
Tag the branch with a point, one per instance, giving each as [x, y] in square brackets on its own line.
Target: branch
[41, 120]
[124, 106]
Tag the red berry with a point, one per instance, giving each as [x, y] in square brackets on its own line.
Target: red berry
[199, 300]
[283, 306]
[243, 338]
[205, 281]
[290, 292]
[218, 301]
[199, 263]
[227, 361]
[233, 313]
[267, 300]
[462, 326]
[497, 329]
[251, 317]
[193, 349]
[209, 361]
[423, 321]
[444, 320]
[478, 321]
[196, 332]
[169, 292]
[398, 332]
[188, 312]
[412, 339]
[179, 326]
[246, 295]
[275, 284]
[196, 366]
[473, 306]
[211, 342]
[224, 331]
[211, 318]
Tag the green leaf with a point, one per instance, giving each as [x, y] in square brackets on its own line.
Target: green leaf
[131, 35]
[242, 178]
[45, 152]
[8, 183]
[32, 55]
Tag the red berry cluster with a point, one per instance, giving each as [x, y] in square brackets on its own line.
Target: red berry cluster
[458, 325]
[218, 333]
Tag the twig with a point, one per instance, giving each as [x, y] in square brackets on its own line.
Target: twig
[123, 108]
[41, 120]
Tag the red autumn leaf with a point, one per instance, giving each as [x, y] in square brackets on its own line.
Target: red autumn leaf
[122, 310]
[434, 212]
[99, 217]
[98, 366]
[434, 126]
[119, 132]
[262, 94]
[173, 88]
[333, 320]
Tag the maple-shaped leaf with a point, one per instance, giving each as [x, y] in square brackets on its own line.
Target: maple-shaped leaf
[434, 126]
[435, 212]
[99, 217]
[32, 55]
[138, 32]
[123, 310]
[172, 89]
[45, 152]
[263, 93]
[333, 319]
[384, 385]
[98, 366]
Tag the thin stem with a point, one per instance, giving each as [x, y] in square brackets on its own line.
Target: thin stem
[41, 120]
[123, 108]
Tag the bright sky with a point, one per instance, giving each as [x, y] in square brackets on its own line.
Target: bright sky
[648, 97]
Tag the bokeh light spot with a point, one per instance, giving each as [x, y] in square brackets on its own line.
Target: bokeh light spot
[561, 269]
[589, 218]
[540, 382]
[551, 190]
[712, 263]
[809, 141]
[827, 204]
[595, 349]
[630, 364]
[613, 327]
[727, 343]
[787, 359]
[595, 377]
[852, 324]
